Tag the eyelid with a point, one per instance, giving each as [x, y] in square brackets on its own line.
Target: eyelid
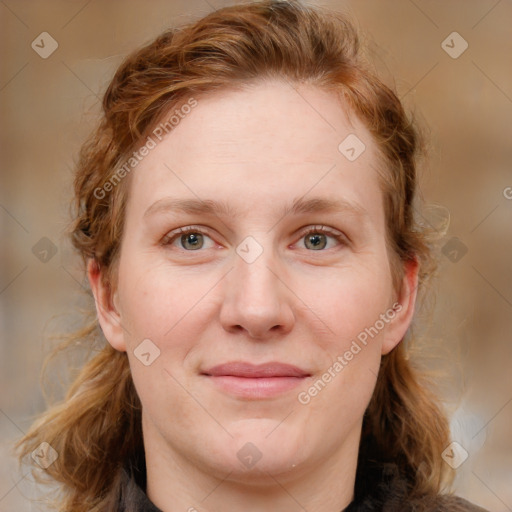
[334, 233]
[174, 234]
[170, 237]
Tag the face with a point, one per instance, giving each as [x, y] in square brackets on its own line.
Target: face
[254, 295]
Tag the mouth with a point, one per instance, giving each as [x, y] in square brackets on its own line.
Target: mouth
[246, 380]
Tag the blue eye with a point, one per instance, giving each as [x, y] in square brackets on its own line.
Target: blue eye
[193, 238]
[189, 238]
[317, 238]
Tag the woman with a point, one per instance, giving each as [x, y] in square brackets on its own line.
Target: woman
[245, 213]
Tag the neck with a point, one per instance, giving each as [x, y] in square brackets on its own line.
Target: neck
[176, 482]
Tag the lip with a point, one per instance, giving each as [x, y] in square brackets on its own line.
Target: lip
[246, 380]
[255, 371]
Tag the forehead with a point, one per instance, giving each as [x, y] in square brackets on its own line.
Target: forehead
[259, 147]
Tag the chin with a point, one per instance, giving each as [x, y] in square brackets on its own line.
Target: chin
[260, 447]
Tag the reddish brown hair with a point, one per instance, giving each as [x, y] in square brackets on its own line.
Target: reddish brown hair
[97, 427]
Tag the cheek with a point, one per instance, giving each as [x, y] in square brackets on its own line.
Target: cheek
[355, 313]
[349, 303]
[155, 301]
[165, 308]
[351, 350]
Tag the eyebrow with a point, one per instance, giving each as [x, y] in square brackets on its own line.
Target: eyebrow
[221, 208]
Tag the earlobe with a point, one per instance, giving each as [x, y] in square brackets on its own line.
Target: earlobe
[108, 314]
[404, 310]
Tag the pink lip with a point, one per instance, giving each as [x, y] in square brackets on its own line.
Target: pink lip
[247, 380]
[248, 370]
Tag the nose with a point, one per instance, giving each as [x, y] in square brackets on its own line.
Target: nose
[256, 300]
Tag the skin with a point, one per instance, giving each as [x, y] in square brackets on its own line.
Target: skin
[257, 150]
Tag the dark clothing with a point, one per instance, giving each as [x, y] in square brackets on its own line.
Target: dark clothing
[381, 490]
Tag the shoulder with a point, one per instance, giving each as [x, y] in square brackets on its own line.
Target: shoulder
[380, 487]
[396, 503]
[448, 503]
[440, 503]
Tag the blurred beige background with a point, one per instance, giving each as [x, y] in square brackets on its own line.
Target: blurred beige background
[49, 105]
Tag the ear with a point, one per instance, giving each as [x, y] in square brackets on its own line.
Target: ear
[108, 315]
[403, 308]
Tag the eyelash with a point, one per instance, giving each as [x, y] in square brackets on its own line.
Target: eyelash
[339, 237]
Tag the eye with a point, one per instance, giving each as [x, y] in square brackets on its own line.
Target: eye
[193, 238]
[190, 238]
[317, 238]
